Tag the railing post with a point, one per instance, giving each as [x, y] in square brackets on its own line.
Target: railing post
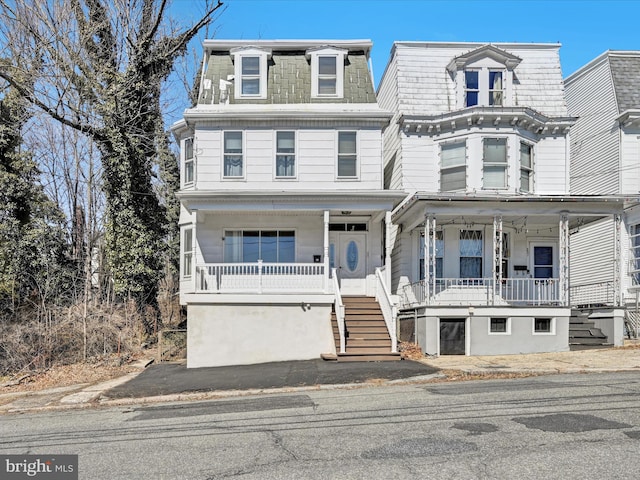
[259, 276]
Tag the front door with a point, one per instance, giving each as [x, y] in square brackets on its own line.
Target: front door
[452, 336]
[348, 251]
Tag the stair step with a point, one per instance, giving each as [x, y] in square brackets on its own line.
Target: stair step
[386, 357]
[369, 335]
[368, 343]
[588, 341]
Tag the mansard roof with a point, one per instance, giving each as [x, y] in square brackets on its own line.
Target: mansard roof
[625, 72]
[289, 70]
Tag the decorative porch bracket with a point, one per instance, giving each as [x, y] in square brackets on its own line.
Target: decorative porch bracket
[497, 257]
[563, 239]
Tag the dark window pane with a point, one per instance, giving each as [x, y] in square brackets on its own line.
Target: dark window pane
[543, 255]
[250, 246]
[327, 65]
[250, 65]
[286, 247]
[269, 247]
[471, 79]
[472, 99]
[250, 86]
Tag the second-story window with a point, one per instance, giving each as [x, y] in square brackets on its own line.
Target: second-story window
[453, 167]
[471, 88]
[347, 155]
[526, 167]
[285, 154]
[250, 75]
[233, 157]
[188, 161]
[494, 163]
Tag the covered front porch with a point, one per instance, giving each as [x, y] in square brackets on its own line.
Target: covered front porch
[497, 252]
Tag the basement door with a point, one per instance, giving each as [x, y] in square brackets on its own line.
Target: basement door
[348, 253]
[452, 336]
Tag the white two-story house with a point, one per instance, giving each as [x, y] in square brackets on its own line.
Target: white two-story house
[480, 142]
[283, 207]
[604, 95]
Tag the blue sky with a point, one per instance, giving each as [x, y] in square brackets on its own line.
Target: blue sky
[584, 28]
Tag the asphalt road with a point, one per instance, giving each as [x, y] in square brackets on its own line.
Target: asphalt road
[560, 426]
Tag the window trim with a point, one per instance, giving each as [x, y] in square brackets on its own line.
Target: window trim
[356, 176]
[504, 165]
[277, 154]
[507, 326]
[186, 263]
[238, 55]
[188, 162]
[226, 232]
[242, 155]
[552, 326]
[314, 55]
[457, 166]
[484, 89]
[528, 169]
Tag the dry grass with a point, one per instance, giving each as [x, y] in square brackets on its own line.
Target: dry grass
[65, 375]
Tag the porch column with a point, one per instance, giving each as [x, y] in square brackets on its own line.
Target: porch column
[429, 257]
[617, 259]
[195, 273]
[563, 261]
[325, 251]
[387, 249]
[497, 257]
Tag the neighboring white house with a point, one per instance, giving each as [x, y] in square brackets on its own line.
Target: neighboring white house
[605, 160]
[480, 142]
[283, 207]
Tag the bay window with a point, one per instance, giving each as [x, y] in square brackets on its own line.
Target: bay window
[453, 167]
[494, 163]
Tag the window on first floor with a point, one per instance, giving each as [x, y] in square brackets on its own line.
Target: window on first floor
[439, 254]
[634, 268]
[187, 252]
[494, 163]
[453, 167]
[270, 246]
[470, 253]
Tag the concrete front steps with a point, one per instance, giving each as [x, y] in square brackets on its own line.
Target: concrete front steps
[583, 333]
[367, 338]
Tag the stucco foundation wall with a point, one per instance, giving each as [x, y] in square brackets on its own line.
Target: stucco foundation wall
[521, 340]
[479, 341]
[611, 324]
[219, 335]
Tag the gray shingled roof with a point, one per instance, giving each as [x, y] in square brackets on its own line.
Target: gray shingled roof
[625, 71]
[289, 79]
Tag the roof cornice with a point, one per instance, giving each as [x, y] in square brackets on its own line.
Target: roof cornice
[520, 117]
[629, 117]
[226, 45]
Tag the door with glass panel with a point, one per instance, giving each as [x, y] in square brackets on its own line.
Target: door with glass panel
[545, 271]
[348, 256]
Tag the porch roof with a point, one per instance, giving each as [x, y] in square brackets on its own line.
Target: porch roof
[278, 201]
[477, 205]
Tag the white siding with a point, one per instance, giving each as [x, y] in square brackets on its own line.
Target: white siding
[591, 259]
[550, 166]
[630, 161]
[594, 138]
[316, 161]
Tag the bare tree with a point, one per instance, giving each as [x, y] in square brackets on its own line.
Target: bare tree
[98, 67]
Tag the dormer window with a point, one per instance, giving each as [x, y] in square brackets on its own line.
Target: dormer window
[484, 77]
[327, 72]
[484, 87]
[250, 72]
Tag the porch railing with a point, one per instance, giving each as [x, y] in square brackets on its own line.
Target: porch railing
[592, 294]
[389, 310]
[482, 291]
[339, 309]
[260, 277]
